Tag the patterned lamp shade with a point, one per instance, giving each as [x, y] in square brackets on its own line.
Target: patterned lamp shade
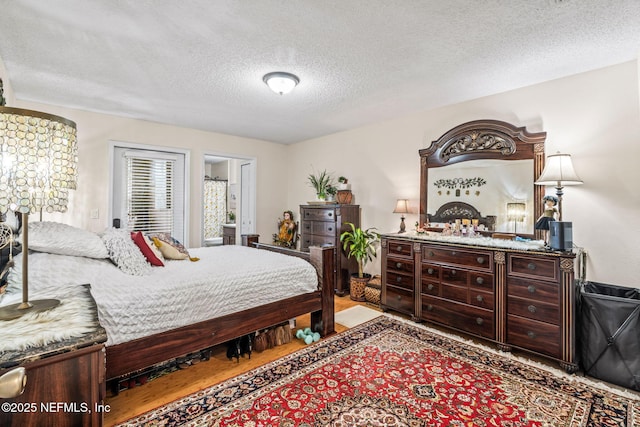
[38, 161]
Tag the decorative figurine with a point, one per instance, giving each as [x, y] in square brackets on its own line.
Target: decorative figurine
[550, 214]
[286, 231]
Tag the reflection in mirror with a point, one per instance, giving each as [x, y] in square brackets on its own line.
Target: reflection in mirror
[488, 185]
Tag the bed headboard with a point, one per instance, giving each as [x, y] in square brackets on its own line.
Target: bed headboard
[451, 211]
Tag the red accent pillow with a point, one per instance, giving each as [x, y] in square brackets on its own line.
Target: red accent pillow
[144, 244]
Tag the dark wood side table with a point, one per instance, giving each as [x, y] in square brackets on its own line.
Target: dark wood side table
[229, 234]
[65, 380]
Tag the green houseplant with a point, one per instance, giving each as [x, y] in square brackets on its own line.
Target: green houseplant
[320, 182]
[361, 245]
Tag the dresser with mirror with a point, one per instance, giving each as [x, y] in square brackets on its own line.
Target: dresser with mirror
[513, 292]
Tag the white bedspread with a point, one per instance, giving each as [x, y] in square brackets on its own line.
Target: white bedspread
[227, 279]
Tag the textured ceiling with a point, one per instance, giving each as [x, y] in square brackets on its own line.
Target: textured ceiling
[199, 63]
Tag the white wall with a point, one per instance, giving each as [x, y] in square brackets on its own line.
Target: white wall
[593, 116]
[96, 130]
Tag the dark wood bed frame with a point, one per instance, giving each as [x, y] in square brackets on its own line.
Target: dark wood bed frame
[133, 356]
[458, 210]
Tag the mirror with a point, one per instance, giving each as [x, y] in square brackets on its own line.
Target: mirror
[484, 168]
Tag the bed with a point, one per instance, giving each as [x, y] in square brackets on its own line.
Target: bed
[183, 306]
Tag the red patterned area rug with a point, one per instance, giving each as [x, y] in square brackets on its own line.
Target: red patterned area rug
[391, 373]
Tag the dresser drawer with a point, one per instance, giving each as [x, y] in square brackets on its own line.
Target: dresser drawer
[401, 280]
[313, 240]
[322, 227]
[536, 290]
[454, 276]
[431, 272]
[533, 335]
[396, 247]
[549, 313]
[464, 317]
[400, 265]
[319, 215]
[481, 281]
[399, 299]
[456, 293]
[430, 287]
[482, 299]
[479, 260]
[533, 267]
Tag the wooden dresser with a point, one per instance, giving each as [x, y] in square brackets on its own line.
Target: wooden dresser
[522, 299]
[65, 380]
[322, 225]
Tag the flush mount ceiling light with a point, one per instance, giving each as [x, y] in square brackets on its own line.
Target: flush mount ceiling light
[281, 82]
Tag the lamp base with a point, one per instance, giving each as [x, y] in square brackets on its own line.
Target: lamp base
[15, 311]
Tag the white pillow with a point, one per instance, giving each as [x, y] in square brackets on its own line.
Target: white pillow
[124, 252]
[63, 239]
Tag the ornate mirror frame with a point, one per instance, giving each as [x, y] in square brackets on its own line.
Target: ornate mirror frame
[484, 139]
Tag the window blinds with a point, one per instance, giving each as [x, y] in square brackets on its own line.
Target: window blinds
[150, 193]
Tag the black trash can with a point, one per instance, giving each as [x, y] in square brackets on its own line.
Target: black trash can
[609, 331]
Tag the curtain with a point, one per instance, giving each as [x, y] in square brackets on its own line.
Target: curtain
[215, 208]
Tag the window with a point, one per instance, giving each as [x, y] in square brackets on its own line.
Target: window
[149, 191]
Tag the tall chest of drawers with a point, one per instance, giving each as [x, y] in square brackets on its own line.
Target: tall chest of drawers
[322, 225]
[517, 299]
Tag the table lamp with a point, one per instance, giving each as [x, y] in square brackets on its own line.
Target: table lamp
[515, 213]
[401, 208]
[558, 171]
[38, 167]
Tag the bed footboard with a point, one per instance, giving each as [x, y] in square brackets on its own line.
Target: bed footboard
[133, 356]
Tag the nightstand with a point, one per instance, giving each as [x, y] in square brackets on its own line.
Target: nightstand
[65, 379]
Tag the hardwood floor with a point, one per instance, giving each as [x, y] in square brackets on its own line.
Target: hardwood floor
[170, 387]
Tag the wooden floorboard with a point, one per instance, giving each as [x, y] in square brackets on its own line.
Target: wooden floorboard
[175, 385]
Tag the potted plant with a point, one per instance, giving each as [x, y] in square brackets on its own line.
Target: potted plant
[361, 245]
[320, 182]
[331, 192]
[343, 183]
[344, 196]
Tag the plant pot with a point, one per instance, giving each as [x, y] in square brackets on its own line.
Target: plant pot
[344, 197]
[343, 186]
[357, 286]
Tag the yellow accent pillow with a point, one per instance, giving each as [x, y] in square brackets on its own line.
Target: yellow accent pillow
[168, 251]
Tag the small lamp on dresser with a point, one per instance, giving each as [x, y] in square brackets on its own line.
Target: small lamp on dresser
[558, 171]
[402, 208]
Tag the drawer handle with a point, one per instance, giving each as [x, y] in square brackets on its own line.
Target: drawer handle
[454, 253]
[531, 335]
[479, 298]
[479, 280]
[330, 229]
[480, 260]
[479, 321]
[531, 266]
[429, 307]
[453, 272]
[430, 271]
[399, 297]
[430, 286]
[531, 289]
[431, 253]
[399, 248]
[330, 213]
[532, 309]
[308, 241]
[398, 264]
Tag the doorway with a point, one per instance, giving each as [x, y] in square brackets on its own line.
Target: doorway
[231, 199]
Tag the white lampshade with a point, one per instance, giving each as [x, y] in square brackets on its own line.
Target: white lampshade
[401, 206]
[38, 158]
[281, 82]
[559, 171]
